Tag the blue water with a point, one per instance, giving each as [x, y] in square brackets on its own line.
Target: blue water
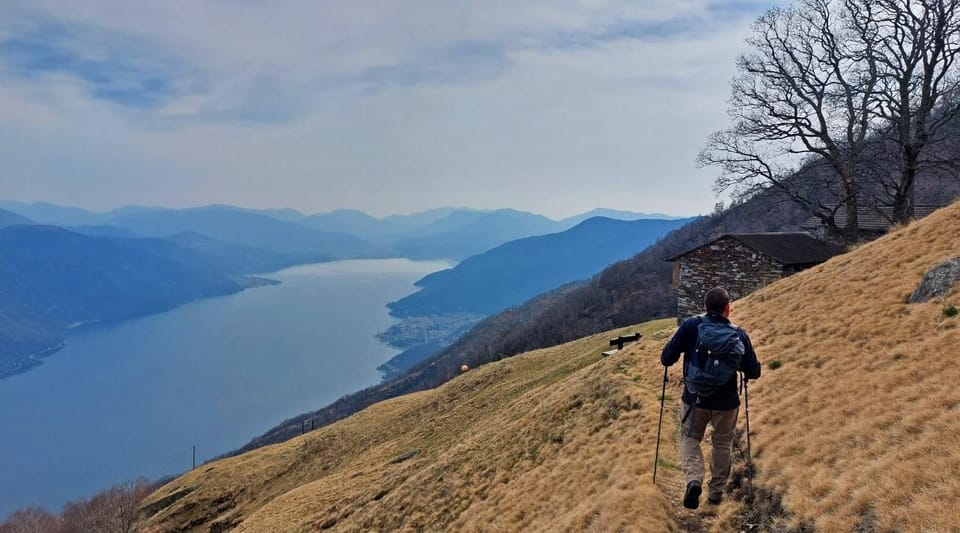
[132, 398]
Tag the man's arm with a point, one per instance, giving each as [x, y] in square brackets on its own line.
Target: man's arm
[749, 365]
[671, 352]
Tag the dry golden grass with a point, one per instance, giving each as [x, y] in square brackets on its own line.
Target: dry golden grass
[558, 439]
[860, 425]
[858, 428]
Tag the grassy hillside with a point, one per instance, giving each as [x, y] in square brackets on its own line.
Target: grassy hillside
[854, 431]
[556, 440]
[859, 425]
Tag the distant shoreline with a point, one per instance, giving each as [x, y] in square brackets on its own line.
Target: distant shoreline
[32, 360]
[27, 362]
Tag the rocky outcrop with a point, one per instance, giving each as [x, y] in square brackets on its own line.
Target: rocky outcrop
[937, 282]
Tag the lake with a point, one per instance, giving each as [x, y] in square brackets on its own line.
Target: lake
[132, 398]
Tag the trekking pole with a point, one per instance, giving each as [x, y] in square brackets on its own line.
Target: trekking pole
[746, 410]
[656, 455]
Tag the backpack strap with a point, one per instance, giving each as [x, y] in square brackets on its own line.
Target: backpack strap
[696, 348]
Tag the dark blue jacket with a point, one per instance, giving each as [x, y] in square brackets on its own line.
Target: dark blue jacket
[685, 341]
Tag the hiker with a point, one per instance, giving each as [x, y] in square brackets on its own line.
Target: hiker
[713, 351]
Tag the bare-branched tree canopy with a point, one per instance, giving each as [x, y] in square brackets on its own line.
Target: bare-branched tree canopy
[846, 91]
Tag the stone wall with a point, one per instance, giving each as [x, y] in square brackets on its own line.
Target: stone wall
[726, 263]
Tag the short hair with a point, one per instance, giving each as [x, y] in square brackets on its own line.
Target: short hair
[716, 300]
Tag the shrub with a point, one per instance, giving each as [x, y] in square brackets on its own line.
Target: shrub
[775, 364]
[950, 310]
[111, 510]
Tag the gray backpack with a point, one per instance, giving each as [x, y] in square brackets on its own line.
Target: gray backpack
[717, 360]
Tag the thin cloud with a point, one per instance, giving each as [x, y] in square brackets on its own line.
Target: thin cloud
[113, 67]
[385, 106]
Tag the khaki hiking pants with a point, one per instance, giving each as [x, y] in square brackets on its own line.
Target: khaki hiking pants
[691, 433]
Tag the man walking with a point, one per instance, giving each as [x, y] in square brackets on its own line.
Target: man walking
[713, 351]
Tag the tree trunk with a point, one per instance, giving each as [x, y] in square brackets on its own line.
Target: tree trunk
[851, 232]
[903, 200]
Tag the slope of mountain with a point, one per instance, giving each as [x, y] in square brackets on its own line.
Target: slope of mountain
[849, 343]
[352, 221]
[285, 214]
[518, 270]
[848, 432]
[465, 233]
[551, 441]
[62, 215]
[45, 213]
[616, 214]
[103, 231]
[421, 218]
[244, 228]
[51, 278]
[231, 258]
[9, 218]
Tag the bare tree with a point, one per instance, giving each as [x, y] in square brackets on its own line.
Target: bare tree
[804, 94]
[30, 520]
[113, 510]
[918, 98]
[857, 94]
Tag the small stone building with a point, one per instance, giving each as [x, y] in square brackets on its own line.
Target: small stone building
[872, 222]
[742, 263]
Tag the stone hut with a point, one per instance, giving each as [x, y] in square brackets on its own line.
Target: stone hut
[872, 222]
[742, 263]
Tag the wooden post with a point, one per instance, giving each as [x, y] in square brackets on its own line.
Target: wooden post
[194, 456]
[620, 341]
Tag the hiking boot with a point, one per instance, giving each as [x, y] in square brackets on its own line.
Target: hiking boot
[714, 500]
[691, 498]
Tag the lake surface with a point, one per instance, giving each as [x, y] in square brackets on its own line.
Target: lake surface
[132, 398]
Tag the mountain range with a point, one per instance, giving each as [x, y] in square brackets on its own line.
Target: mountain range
[137, 260]
[513, 272]
[448, 233]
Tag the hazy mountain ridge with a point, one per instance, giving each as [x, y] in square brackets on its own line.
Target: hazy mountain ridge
[508, 275]
[220, 242]
[243, 228]
[9, 218]
[465, 233]
[617, 214]
[62, 215]
[516, 271]
[438, 233]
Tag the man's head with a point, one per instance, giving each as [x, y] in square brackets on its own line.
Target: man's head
[717, 300]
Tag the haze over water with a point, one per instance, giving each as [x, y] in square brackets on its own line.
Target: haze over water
[132, 398]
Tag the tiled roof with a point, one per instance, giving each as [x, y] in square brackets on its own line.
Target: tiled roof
[871, 218]
[794, 248]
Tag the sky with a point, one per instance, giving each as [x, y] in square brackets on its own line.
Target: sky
[388, 106]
